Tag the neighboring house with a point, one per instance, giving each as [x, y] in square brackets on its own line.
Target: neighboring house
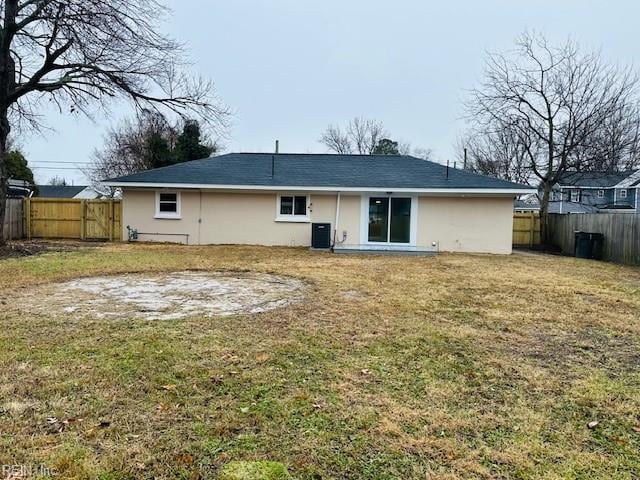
[586, 192]
[590, 192]
[19, 189]
[363, 202]
[67, 191]
[526, 204]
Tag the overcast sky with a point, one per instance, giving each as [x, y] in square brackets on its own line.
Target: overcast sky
[288, 68]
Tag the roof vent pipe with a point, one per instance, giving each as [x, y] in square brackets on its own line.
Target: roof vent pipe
[273, 165]
[447, 169]
[277, 146]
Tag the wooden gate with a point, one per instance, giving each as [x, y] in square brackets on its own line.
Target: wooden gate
[526, 229]
[73, 218]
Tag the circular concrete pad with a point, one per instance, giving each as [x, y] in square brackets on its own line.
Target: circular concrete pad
[168, 295]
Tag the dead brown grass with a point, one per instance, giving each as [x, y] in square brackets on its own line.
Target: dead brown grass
[456, 366]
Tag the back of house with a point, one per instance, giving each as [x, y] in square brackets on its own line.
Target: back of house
[344, 202]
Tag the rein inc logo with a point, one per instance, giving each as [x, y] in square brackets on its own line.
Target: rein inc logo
[15, 472]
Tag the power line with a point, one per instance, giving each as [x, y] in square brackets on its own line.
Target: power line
[57, 168]
[60, 161]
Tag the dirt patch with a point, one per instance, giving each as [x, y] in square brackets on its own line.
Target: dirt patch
[26, 248]
[166, 296]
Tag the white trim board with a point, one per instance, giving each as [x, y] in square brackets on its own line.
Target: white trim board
[282, 188]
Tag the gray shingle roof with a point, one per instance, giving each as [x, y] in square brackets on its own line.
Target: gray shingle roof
[317, 170]
[60, 191]
[594, 179]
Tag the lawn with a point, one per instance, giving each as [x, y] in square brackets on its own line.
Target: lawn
[454, 366]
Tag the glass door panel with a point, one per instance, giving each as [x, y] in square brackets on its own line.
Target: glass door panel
[400, 230]
[378, 219]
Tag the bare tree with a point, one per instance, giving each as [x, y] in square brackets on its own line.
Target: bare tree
[360, 136]
[130, 147]
[79, 54]
[555, 99]
[496, 152]
[58, 181]
[615, 146]
[150, 140]
[336, 140]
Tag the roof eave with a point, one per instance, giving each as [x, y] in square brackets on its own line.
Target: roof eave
[191, 186]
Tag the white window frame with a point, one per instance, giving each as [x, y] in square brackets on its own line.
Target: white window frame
[292, 217]
[388, 245]
[600, 193]
[575, 193]
[623, 193]
[177, 215]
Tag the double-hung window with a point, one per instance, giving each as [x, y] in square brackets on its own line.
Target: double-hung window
[575, 196]
[600, 193]
[293, 208]
[167, 205]
[623, 193]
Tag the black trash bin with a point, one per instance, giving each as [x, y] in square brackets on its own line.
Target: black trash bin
[589, 245]
[597, 246]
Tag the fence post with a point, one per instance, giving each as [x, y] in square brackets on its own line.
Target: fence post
[83, 219]
[27, 217]
[532, 229]
[110, 215]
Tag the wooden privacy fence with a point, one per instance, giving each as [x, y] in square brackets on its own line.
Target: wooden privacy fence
[13, 219]
[621, 233]
[73, 218]
[526, 229]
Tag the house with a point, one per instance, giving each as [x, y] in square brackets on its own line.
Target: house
[19, 189]
[67, 191]
[350, 202]
[591, 192]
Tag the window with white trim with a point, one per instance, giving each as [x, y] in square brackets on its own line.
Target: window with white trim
[167, 204]
[623, 193]
[293, 208]
[575, 196]
[600, 193]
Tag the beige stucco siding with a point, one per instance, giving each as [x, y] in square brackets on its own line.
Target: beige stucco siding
[472, 224]
[233, 218]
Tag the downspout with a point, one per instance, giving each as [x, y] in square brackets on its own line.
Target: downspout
[615, 197]
[636, 207]
[335, 229]
[561, 199]
[200, 217]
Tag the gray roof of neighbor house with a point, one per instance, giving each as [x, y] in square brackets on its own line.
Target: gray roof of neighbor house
[594, 179]
[59, 191]
[316, 170]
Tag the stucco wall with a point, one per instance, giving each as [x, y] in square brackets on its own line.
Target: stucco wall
[466, 224]
[454, 224]
[234, 218]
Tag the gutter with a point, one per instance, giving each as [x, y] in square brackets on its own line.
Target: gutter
[296, 188]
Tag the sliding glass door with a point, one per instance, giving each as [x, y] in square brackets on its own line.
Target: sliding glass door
[389, 219]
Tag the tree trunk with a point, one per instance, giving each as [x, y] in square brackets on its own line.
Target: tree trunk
[3, 177]
[7, 82]
[545, 234]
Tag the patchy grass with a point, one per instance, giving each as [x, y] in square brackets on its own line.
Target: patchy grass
[456, 366]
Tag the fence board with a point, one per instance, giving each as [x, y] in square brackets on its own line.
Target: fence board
[14, 219]
[73, 218]
[526, 229]
[621, 234]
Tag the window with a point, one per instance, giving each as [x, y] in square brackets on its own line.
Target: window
[292, 208]
[600, 193]
[575, 196]
[389, 220]
[167, 205]
[623, 193]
